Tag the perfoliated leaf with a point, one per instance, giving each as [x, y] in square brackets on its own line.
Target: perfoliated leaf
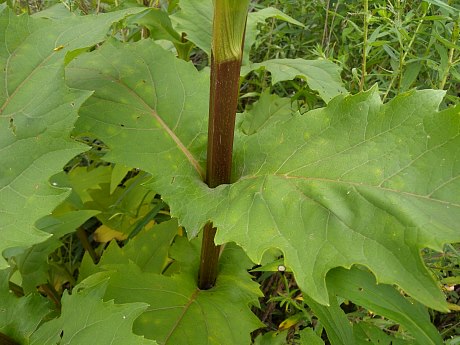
[179, 312]
[134, 85]
[195, 19]
[37, 113]
[357, 182]
[86, 319]
[321, 75]
[20, 316]
[267, 110]
[359, 286]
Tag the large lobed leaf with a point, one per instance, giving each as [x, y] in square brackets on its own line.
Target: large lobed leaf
[360, 287]
[180, 313]
[37, 113]
[357, 182]
[86, 319]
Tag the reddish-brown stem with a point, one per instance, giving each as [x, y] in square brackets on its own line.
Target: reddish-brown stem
[225, 75]
[222, 110]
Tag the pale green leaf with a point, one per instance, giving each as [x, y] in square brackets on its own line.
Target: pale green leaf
[195, 20]
[367, 333]
[267, 110]
[321, 75]
[33, 262]
[134, 85]
[357, 182]
[309, 337]
[338, 328]
[148, 250]
[37, 113]
[20, 316]
[271, 338]
[179, 312]
[359, 286]
[86, 319]
[159, 25]
[119, 172]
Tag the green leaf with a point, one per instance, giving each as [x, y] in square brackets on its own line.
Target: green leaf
[271, 338]
[367, 333]
[86, 319]
[338, 328]
[360, 287]
[195, 20]
[37, 113]
[179, 312]
[134, 85]
[309, 337]
[267, 110]
[159, 24]
[33, 262]
[20, 316]
[148, 250]
[160, 27]
[357, 182]
[321, 75]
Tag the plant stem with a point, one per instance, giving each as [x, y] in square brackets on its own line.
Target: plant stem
[83, 237]
[406, 51]
[454, 38]
[366, 28]
[226, 55]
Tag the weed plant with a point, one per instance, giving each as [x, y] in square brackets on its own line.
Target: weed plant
[400, 45]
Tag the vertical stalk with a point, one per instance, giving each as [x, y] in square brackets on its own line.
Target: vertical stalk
[227, 51]
[454, 39]
[364, 64]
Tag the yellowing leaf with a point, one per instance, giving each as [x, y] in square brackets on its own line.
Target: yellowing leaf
[105, 234]
[291, 321]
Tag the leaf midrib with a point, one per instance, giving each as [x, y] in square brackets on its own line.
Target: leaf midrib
[155, 115]
[186, 307]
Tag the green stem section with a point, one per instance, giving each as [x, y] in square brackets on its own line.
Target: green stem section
[454, 39]
[227, 51]
[366, 28]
